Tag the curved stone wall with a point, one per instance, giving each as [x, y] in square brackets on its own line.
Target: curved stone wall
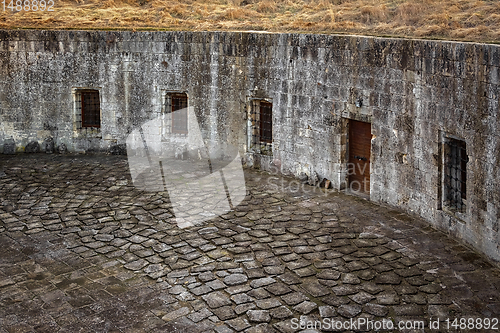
[417, 94]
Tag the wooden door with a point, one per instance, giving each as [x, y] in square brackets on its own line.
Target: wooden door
[359, 156]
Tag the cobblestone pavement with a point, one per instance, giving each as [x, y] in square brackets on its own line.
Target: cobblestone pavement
[83, 251]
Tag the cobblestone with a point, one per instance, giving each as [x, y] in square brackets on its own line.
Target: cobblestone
[234, 279]
[82, 250]
[258, 316]
[305, 307]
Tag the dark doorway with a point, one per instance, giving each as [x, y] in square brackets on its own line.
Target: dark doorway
[359, 156]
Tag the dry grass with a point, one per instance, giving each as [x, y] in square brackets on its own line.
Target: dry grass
[448, 19]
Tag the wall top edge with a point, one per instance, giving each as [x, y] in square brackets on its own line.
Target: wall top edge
[188, 36]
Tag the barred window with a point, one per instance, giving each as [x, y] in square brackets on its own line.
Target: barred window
[455, 174]
[179, 119]
[266, 122]
[262, 125]
[90, 108]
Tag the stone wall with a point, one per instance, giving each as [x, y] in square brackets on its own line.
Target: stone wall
[415, 93]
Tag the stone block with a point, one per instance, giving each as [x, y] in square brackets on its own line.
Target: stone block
[32, 147]
[48, 145]
[62, 149]
[9, 147]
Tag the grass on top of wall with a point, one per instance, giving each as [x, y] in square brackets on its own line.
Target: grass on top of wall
[447, 19]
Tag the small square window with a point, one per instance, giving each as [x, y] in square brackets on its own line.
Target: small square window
[455, 174]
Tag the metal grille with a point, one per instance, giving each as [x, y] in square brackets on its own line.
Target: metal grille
[262, 126]
[179, 119]
[266, 122]
[456, 174]
[91, 109]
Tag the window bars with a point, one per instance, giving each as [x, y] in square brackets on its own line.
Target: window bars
[455, 181]
[91, 109]
[262, 126]
[179, 119]
[266, 122]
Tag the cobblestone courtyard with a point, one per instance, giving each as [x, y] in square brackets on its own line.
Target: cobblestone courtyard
[82, 250]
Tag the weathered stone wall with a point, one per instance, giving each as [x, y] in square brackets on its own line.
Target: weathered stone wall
[412, 91]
